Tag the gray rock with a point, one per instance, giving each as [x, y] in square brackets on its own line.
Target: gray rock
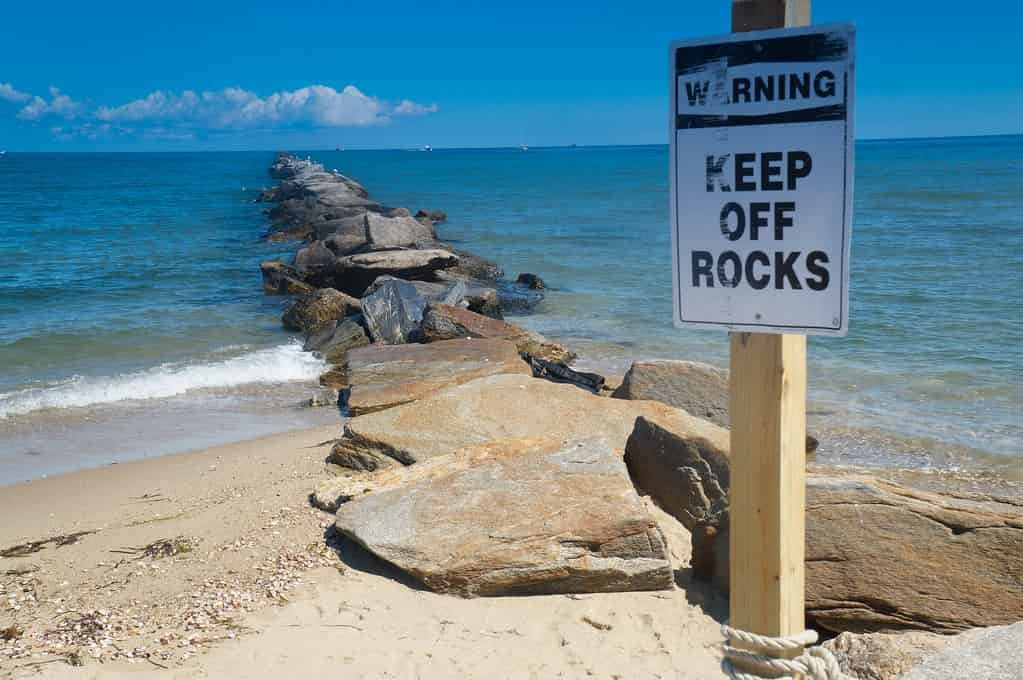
[698, 388]
[402, 263]
[531, 281]
[353, 226]
[347, 335]
[395, 232]
[514, 518]
[432, 215]
[885, 656]
[313, 256]
[515, 297]
[687, 476]
[992, 654]
[318, 337]
[394, 312]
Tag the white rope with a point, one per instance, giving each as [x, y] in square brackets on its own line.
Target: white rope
[765, 654]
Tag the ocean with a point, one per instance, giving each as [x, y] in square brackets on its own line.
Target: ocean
[133, 322]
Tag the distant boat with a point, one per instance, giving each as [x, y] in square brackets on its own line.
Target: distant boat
[523, 147]
[2, 152]
[339, 148]
[427, 147]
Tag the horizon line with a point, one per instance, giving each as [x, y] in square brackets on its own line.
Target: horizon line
[491, 148]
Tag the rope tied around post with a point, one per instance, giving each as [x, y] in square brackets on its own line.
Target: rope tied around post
[763, 656]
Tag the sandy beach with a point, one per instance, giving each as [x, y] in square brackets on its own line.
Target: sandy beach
[257, 592]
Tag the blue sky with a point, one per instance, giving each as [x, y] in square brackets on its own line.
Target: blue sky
[256, 75]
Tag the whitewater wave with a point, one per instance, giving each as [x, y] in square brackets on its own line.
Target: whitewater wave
[275, 364]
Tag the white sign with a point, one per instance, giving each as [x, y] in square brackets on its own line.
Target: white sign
[762, 180]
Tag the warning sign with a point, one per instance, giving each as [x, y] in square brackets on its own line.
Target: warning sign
[762, 180]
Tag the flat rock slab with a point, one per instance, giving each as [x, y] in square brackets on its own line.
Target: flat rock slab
[515, 518]
[382, 376]
[495, 408]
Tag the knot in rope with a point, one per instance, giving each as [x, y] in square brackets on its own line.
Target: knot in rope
[765, 654]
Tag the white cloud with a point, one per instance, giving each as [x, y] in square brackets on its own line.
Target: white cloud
[410, 108]
[171, 115]
[234, 109]
[59, 105]
[8, 93]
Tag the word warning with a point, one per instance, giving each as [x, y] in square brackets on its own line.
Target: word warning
[762, 180]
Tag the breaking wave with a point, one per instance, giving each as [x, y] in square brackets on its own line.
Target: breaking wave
[272, 365]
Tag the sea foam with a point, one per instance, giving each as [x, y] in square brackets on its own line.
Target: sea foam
[272, 365]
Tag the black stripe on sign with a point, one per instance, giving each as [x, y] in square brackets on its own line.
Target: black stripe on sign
[820, 113]
[820, 47]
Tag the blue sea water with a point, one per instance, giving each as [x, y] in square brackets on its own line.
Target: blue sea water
[132, 321]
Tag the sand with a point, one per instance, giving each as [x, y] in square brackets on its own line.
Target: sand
[251, 582]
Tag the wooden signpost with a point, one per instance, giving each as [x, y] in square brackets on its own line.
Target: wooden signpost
[761, 153]
[767, 407]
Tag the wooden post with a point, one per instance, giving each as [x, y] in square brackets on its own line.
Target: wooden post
[768, 440]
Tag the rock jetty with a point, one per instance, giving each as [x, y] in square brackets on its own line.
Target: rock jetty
[474, 462]
[367, 272]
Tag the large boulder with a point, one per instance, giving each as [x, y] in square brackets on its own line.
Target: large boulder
[515, 518]
[884, 557]
[395, 232]
[687, 476]
[281, 279]
[382, 376]
[445, 322]
[350, 229]
[496, 408]
[698, 388]
[394, 312]
[312, 311]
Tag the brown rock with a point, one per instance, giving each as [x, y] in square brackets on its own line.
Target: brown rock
[312, 311]
[496, 408]
[280, 279]
[698, 388]
[515, 518]
[883, 557]
[444, 322]
[382, 376]
[335, 377]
